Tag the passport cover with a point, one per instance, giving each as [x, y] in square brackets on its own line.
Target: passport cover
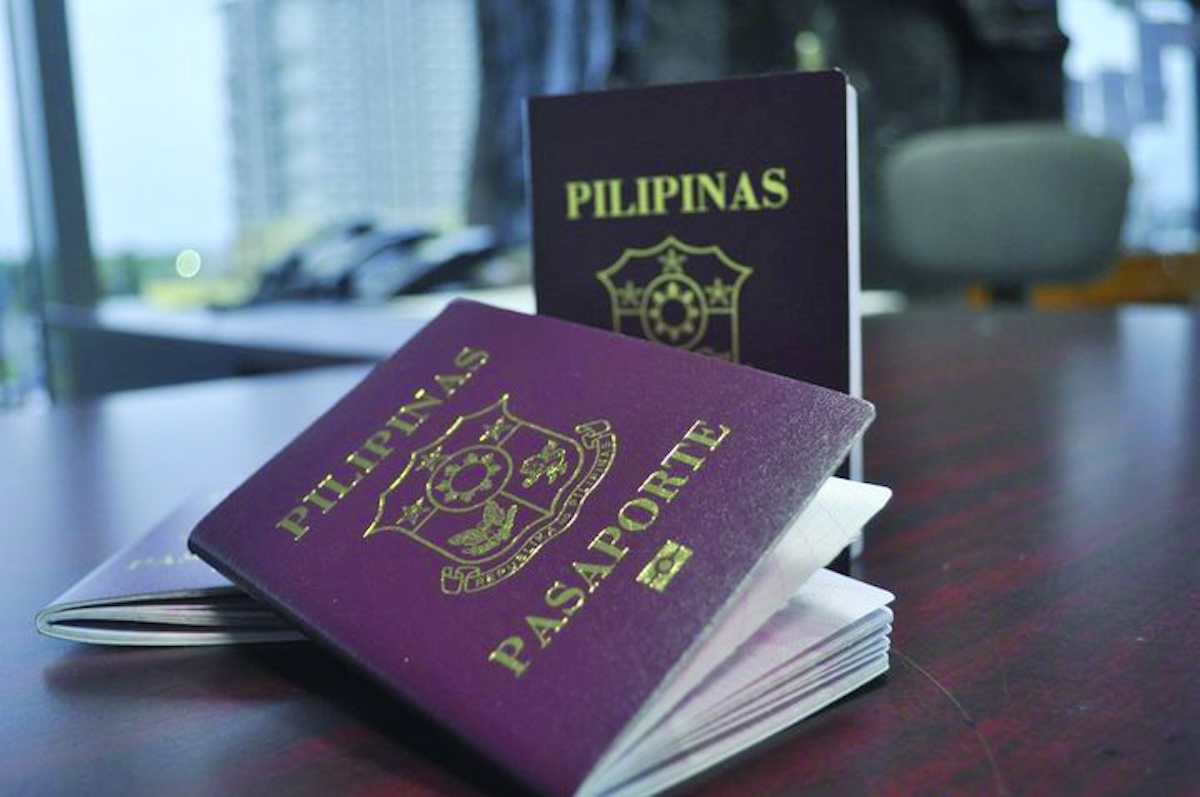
[154, 591]
[718, 216]
[523, 526]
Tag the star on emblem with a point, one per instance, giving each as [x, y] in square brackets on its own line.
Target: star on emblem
[629, 294]
[672, 262]
[495, 430]
[719, 292]
[431, 459]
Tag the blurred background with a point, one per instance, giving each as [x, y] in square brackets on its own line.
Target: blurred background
[165, 167]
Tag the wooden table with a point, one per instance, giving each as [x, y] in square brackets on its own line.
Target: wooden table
[1044, 544]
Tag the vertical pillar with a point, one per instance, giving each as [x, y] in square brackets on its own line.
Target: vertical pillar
[63, 269]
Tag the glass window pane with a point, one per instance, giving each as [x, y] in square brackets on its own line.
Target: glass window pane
[153, 135]
[20, 345]
[217, 134]
[1131, 74]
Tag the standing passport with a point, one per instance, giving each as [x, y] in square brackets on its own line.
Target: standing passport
[538, 532]
[720, 217]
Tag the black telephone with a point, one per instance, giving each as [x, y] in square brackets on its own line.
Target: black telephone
[360, 261]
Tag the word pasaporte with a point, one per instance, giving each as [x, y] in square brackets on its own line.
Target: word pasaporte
[664, 194]
[567, 596]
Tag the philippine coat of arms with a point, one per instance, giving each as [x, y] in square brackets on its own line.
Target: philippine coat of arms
[491, 490]
[675, 293]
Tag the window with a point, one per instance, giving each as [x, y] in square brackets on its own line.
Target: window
[216, 134]
[20, 363]
[1131, 74]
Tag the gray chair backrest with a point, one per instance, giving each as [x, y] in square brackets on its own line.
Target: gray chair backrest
[1005, 203]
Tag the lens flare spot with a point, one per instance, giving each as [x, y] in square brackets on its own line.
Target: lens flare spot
[188, 263]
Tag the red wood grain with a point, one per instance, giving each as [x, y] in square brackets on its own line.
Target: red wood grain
[1043, 542]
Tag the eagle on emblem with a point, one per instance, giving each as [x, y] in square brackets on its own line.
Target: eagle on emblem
[492, 531]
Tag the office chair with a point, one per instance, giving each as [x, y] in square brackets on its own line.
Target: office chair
[1004, 205]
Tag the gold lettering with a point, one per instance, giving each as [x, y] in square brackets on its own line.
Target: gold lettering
[700, 434]
[375, 443]
[744, 197]
[659, 484]
[416, 410]
[451, 382]
[422, 400]
[635, 515]
[508, 655]
[688, 184]
[617, 209]
[314, 497]
[643, 196]
[406, 427]
[706, 435]
[544, 628]
[664, 187]
[606, 543]
[775, 187]
[625, 515]
[363, 464]
[335, 486]
[579, 193]
[293, 522]
[686, 192]
[600, 193]
[167, 560]
[591, 574]
[677, 454]
[471, 359]
[712, 187]
[560, 596]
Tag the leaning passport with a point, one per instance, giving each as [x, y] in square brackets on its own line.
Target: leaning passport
[555, 541]
[719, 216]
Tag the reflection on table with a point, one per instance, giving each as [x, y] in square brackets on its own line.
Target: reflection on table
[1041, 543]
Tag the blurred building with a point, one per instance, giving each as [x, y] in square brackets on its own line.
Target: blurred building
[1131, 75]
[351, 107]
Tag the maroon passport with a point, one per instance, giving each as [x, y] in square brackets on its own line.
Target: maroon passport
[523, 526]
[717, 216]
[155, 592]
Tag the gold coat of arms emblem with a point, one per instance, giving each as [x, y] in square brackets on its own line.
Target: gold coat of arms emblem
[682, 295]
[492, 490]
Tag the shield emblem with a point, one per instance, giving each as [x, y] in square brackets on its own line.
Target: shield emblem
[678, 294]
[491, 490]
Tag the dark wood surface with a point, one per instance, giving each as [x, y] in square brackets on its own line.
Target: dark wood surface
[1043, 542]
